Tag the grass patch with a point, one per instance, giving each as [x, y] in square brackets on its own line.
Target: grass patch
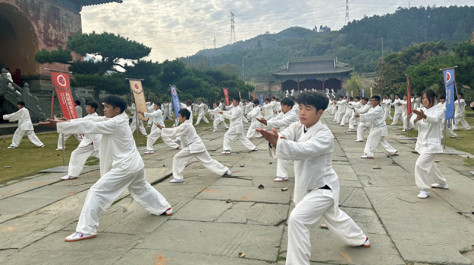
[27, 159]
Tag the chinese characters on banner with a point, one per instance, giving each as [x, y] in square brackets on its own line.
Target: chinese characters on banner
[63, 91]
[449, 83]
[139, 96]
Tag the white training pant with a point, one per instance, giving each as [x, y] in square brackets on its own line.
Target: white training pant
[244, 119]
[396, 117]
[18, 135]
[424, 166]
[373, 141]
[133, 127]
[449, 130]
[228, 137]
[181, 159]
[282, 165]
[315, 205]
[79, 157]
[387, 112]
[345, 118]
[217, 121]
[404, 121]
[154, 136]
[203, 117]
[108, 188]
[352, 122]
[339, 116]
[360, 131]
[459, 118]
[252, 129]
[66, 136]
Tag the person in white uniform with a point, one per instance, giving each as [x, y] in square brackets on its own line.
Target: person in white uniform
[89, 146]
[349, 110]
[428, 120]
[459, 112]
[363, 125]
[236, 129]
[135, 120]
[121, 167]
[310, 143]
[378, 129]
[156, 118]
[60, 146]
[267, 109]
[449, 130]
[353, 120]
[254, 115]
[202, 109]
[192, 147]
[25, 126]
[287, 116]
[387, 107]
[398, 109]
[341, 109]
[218, 118]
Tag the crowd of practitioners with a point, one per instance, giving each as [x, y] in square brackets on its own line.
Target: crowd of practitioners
[292, 127]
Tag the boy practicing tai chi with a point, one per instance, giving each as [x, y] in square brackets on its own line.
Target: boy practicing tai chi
[121, 166]
[25, 126]
[310, 144]
[156, 117]
[236, 128]
[89, 146]
[192, 146]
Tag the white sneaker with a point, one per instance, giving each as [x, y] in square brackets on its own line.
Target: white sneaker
[280, 179]
[367, 157]
[59, 149]
[149, 152]
[67, 177]
[176, 181]
[439, 186]
[360, 141]
[423, 194]
[366, 243]
[228, 173]
[78, 236]
[168, 212]
[11, 147]
[225, 152]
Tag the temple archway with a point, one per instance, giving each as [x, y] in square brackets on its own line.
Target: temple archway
[18, 40]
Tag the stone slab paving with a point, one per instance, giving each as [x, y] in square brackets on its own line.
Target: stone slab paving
[380, 195]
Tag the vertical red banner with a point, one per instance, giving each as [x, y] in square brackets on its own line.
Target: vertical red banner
[253, 96]
[63, 92]
[226, 94]
[408, 96]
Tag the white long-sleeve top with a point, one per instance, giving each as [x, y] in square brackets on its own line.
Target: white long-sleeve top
[255, 113]
[79, 111]
[398, 108]
[23, 118]
[117, 146]
[190, 140]
[363, 109]
[404, 106]
[341, 106]
[459, 106]
[429, 131]
[235, 118]
[90, 138]
[156, 116]
[202, 109]
[312, 155]
[267, 110]
[376, 118]
[283, 120]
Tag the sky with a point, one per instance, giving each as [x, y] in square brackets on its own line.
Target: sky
[180, 28]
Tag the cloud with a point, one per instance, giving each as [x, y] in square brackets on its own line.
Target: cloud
[183, 27]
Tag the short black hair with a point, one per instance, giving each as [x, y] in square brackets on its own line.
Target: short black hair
[116, 102]
[236, 99]
[157, 103]
[442, 97]
[268, 99]
[376, 98]
[256, 102]
[287, 102]
[366, 99]
[185, 113]
[316, 99]
[357, 97]
[21, 103]
[92, 104]
[462, 95]
[77, 102]
[430, 95]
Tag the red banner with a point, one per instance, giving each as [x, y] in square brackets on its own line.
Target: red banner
[226, 94]
[253, 96]
[63, 91]
[408, 96]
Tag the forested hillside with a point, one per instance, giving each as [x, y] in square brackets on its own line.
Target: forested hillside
[359, 43]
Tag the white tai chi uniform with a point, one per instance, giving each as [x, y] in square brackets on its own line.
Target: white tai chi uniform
[157, 117]
[121, 166]
[267, 110]
[191, 146]
[77, 136]
[348, 114]
[316, 194]
[449, 130]
[282, 121]
[202, 113]
[25, 126]
[353, 120]
[378, 130]
[255, 124]
[405, 114]
[398, 110]
[89, 146]
[133, 125]
[387, 107]
[150, 107]
[428, 144]
[459, 109]
[417, 103]
[236, 129]
[363, 125]
[341, 110]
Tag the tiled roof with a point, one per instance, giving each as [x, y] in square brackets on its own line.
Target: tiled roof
[313, 66]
